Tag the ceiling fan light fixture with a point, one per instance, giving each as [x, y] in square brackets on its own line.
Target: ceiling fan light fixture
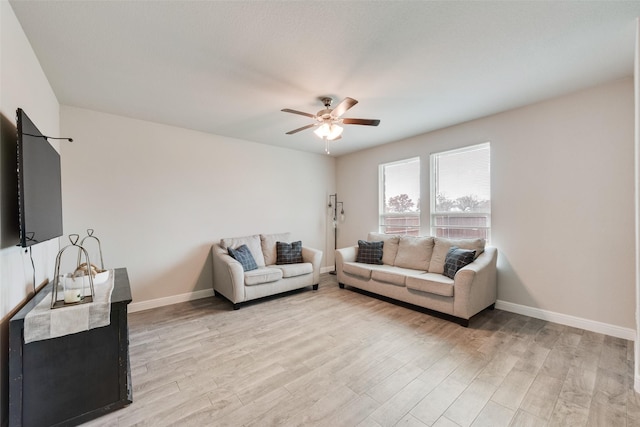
[329, 131]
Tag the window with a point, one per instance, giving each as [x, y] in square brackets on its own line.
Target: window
[461, 192]
[400, 197]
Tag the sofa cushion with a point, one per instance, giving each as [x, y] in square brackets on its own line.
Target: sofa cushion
[262, 275]
[392, 275]
[243, 255]
[369, 252]
[293, 270]
[289, 253]
[268, 244]
[360, 270]
[443, 245]
[252, 242]
[390, 247]
[414, 252]
[456, 259]
[432, 283]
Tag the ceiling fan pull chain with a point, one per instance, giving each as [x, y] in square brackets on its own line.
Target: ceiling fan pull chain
[326, 146]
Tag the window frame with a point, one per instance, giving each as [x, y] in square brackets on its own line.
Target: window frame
[406, 229]
[434, 215]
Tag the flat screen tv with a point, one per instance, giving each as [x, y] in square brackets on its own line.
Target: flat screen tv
[39, 185]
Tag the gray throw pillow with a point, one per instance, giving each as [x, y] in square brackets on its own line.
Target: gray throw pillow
[243, 255]
[369, 252]
[289, 253]
[456, 259]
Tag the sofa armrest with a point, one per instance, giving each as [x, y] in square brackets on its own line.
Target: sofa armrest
[314, 256]
[343, 255]
[348, 254]
[475, 285]
[228, 275]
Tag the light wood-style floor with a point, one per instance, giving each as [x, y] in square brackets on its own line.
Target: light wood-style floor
[335, 357]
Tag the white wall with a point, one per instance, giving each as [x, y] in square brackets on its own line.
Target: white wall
[158, 196]
[562, 199]
[22, 84]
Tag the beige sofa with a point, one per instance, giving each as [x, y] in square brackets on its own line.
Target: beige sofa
[412, 272]
[238, 286]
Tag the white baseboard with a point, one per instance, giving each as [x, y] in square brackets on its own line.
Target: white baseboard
[174, 299]
[538, 313]
[566, 319]
[636, 384]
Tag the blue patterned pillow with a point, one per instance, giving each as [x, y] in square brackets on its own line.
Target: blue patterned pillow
[369, 252]
[242, 254]
[289, 253]
[456, 259]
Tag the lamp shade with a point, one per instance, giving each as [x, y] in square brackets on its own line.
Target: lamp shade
[328, 131]
[322, 131]
[334, 132]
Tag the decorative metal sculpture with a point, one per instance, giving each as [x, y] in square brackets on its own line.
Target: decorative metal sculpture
[74, 293]
[90, 235]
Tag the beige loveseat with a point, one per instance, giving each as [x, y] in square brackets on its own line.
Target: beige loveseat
[412, 271]
[238, 286]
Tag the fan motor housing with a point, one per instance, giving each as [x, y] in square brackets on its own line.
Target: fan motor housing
[324, 114]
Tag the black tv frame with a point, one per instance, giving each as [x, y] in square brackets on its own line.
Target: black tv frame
[39, 184]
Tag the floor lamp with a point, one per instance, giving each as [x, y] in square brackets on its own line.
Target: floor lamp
[333, 211]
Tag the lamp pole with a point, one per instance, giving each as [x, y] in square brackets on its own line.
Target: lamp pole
[333, 206]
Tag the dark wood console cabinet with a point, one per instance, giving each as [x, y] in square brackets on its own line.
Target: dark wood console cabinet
[72, 379]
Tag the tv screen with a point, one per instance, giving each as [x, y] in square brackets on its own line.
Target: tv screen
[39, 185]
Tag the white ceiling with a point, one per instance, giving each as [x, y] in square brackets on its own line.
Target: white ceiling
[229, 67]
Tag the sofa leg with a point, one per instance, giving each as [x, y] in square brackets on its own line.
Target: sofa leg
[315, 287]
[236, 306]
[492, 306]
[341, 285]
[464, 323]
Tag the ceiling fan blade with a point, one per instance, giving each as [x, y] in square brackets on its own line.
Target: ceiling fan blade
[288, 110]
[291, 132]
[366, 122]
[344, 105]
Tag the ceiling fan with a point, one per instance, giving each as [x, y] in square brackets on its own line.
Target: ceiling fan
[328, 120]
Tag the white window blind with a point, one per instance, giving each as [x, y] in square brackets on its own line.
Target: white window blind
[461, 192]
[400, 197]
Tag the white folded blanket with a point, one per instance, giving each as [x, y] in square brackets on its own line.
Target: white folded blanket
[43, 323]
